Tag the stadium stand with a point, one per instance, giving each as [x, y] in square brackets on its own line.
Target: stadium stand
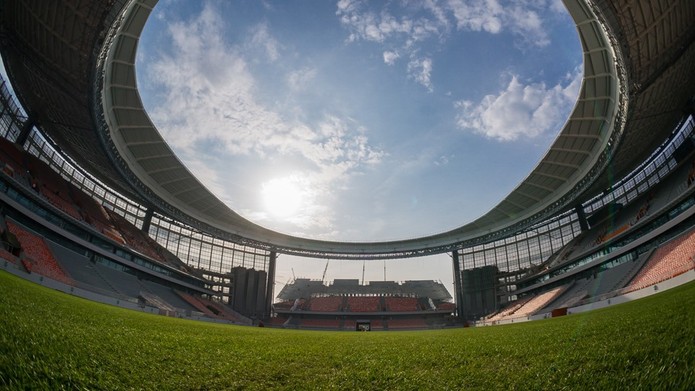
[364, 304]
[528, 306]
[122, 282]
[9, 245]
[8, 256]
[37, 256]
[671, 259]
[377, 324]
[402, 323]
[284, 305]
[82, 270]
[659, 87]
[95, 214]
[325, 304]
[167, 294]
[320, 323]
[197, 303]
[135, 238]
[156, 301]
[82, 207]
[401, 304]
[409, 302]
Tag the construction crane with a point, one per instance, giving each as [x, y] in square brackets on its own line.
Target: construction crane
[325, 269]
[364, 262]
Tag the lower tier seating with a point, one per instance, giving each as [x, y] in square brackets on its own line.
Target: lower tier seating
[37, 256]
[671, 259]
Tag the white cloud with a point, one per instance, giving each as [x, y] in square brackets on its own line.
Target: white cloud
[557, 6]
[520, 110]
[477, 15]
[208, 101]
[390, 57]
[443, 160]
[299, 79]
[261, 37]
[419, 23]
[420, 69]
[378, 27]
[519, 16]
[433, 18]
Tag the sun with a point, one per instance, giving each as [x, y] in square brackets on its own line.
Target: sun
[282, 197]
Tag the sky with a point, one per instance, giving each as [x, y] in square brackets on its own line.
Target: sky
[351, 120]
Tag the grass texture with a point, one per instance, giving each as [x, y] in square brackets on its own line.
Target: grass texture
[51, 340]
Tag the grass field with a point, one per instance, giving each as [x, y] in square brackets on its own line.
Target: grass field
[50, 340]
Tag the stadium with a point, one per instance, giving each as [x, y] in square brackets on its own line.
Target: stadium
[97, 205]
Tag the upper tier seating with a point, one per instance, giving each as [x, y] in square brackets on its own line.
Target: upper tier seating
[646, 205]
[94, 214]
[51, 186]
[325, 304]
[135, 238]
[11, 153]
[401, 304]
[60, 193]
[142, 243]
[364, 303]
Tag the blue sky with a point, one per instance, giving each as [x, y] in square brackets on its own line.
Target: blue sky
[360, 121]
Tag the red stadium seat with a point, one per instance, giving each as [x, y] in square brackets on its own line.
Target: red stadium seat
[38, 257]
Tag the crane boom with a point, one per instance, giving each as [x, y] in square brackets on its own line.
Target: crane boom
[325, 269]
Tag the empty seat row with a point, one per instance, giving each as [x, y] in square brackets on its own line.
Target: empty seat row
[37, 256]
[671, 259]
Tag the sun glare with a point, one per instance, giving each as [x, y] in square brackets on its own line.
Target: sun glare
[282, 197]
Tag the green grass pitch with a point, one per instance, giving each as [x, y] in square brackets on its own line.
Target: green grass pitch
[50, 340]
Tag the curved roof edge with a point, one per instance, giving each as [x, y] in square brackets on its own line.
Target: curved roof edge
[577, 157]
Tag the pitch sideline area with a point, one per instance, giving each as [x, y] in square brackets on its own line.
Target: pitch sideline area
[50, 340]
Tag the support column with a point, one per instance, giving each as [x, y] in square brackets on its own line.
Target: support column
[270, 287]
[458, 289]
[147, 221]
[26, 130]
[583, 224]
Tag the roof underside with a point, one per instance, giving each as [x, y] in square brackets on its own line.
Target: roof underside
[72, 64]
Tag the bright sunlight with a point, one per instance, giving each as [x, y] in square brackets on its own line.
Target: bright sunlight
[282, 197]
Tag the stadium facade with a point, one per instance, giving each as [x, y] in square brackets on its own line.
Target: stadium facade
[614, 186]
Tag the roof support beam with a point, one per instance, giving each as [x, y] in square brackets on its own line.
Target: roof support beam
[568, 150]
[561, 164]
[538, 172]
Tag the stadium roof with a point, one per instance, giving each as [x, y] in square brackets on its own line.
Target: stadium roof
[72, 64]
